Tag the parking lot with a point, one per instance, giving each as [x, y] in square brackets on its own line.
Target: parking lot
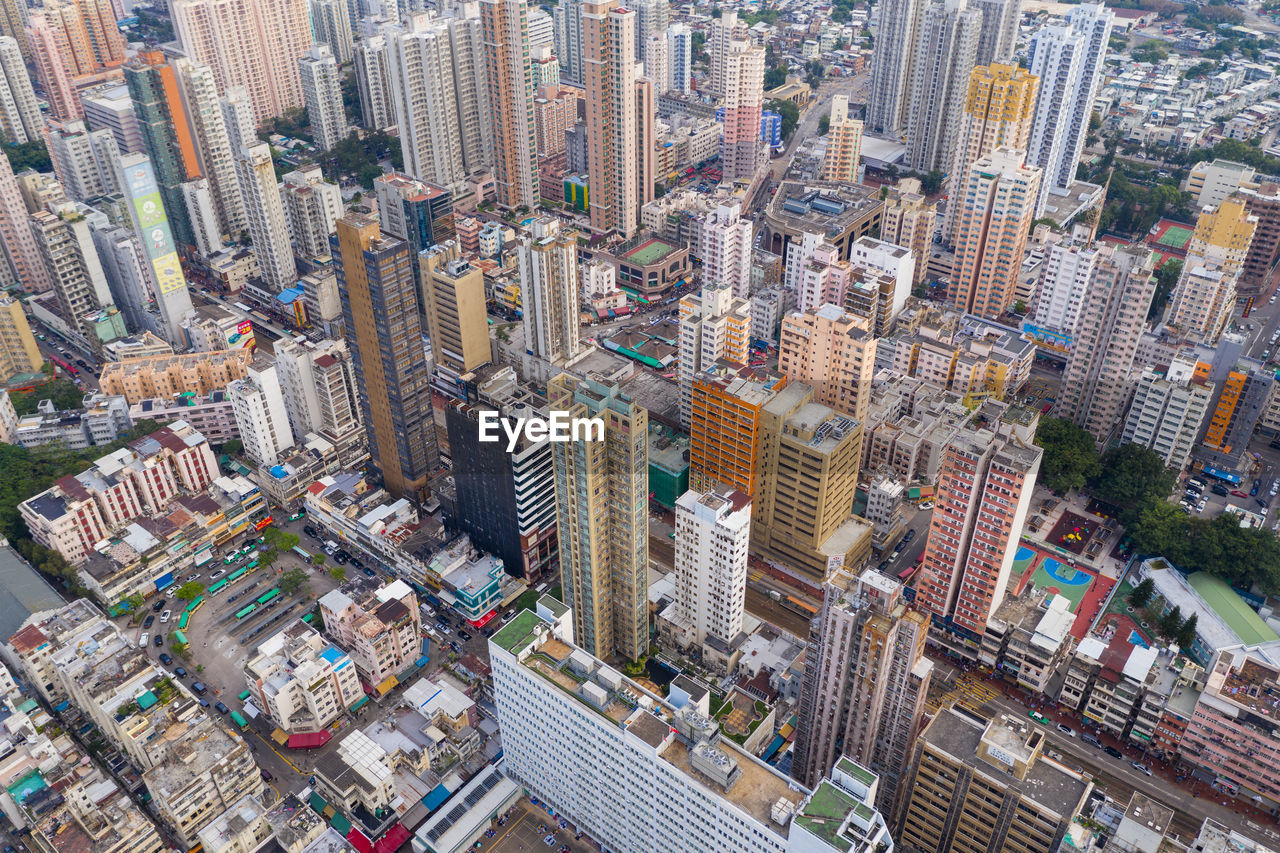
[527, 828]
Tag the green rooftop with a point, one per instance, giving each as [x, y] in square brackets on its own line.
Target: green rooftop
[557, 608]
[857, 771]
[824, 814]
[649, 252]
[1231, 608]
[517, 633]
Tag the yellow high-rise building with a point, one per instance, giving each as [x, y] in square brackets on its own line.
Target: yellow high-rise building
[453, 293]
[18, 350]
[844, 144]
[998, 110]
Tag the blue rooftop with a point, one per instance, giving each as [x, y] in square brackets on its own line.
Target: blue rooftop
[331, 654]
[289, 295]
[278, 472]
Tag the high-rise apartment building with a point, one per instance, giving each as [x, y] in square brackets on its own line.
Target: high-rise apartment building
[332, 23]
[908, 221]
[312, 207]
[18, 242]
[51, 68]
[505, 31]
[987, 784]
[19, 352]
[454, 303]
[807, 472]
[944, 54]
[656, 68]
[425, 105]
[1000, 19]
[1096, 382]
[865, 682]
[844, 144]
[834, 353]
[71, 258]
[301, 681]
[213, 144]
[891, 67]
[20, 119]
[714, 325]
[567, 23]
[724, 429]
[713, 531]
[206, 229]
[679, 58]
[380, 314]
[84, 160]
[320, 396]
[1068, 268]
[322, 94]
[1068, 58]
[166, 136]
[613, 124]
[1168, 408]
[471, 88]
[1206, 291]
[1224, 234]
[413, 210]
[998, 111]
[724, 247]
[602, 503]
[148, 214]
[1264, 203]
[237, 117]
[737, 72]
[995, 210]
[549, 293]
[264, 209]
[555, 110]
[13, 22]
[258, 403]
[377, 112]
[985, 484]
[254, 45]
[505, 501]
[582, 746]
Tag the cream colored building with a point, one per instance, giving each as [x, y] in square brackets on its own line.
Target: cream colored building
[833, 352]
[714, 325]
[453, 293]
[167, 376]
[381, 631]
[19, 352]
[844, 144]
[302, 682]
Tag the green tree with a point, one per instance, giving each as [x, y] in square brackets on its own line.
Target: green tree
[27, 155]
[233, 447]
[1186, 634]
[318, 559]
[1130, 477]
[338, 573]
[789, 112]
[135, 602]
[1166, 278]
[293, 580]
[1151, 51]
[824, 124]
[931, 182]
[775, 77]
[1140, 595]
[1170, 623]
[1070, 456]
[190, 590]
[64, 393]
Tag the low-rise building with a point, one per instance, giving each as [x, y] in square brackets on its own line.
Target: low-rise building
[380, 628]
[101, 421]
[468, 580]
[302, 681]
[1027, 638]
[212, 416]
[167, 376]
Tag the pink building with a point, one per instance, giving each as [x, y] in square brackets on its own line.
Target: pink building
[740, 74]
[380, 629]
[468, 231]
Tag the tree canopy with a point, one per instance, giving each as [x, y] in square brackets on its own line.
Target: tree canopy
[190, 590]
[789, 112]
[64, 393]
[1131, 476]
[293, 580]
[1070, 457]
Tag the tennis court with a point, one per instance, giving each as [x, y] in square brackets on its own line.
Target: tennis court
[1171, 235]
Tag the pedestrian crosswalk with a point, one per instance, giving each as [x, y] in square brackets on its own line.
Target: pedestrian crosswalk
[970, 691]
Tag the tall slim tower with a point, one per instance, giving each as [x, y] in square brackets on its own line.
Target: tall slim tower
[16, 239]
[549, 292]
[147, 211]
[679, 58]
[865, 682]
[471, 88]
[569, 44]
[322, 93]
[714, 325]
[51, 69]
[725, 249]
[985, 485]
[213, 143]
[376, 109]
[1097, 382]
[1068, 58]
[1000, 20]
[602, 501]
[425, 102]
[613, 137]
[380, 313]
[72, 260]
[505, 29]
[85, 161]
[20, 119]
[844, 144]
[331, 20]
[891, 67]
[996, 208]
[268, 226]
[153, 88]
[713, 530]
[738, 68]
[946, 49]
[997, 111]
[13, 22]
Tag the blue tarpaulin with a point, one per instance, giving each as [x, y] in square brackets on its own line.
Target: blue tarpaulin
[436, 798]
[1211, 471]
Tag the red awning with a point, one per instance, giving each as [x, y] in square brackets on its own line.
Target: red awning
[483, 620]
[395, 838]
[358, 841]
[310, 740]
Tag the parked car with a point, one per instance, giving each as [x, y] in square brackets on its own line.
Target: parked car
[180, 672]
[159, 640]
[1091, 739]
[159, 605]
[464, 635]
[1066, 730]
[165, 658]
[204, 703]
[1141, 768]
[142, 641]
[297, 515]
[148, 622]
[164, 617]
[926, 504]
[220, 708]
[199, 688]
[266, 775]
[219, 573]
[1220, 490]
[1239, 494]
[911, 534]
[1113, 752]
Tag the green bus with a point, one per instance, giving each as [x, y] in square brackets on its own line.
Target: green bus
[239, 720]
[268, 596]
[178, 639]
[237, 574]
[243, 613]
[244, 697]
[195, 605]
[309, 618]
[219, 586]
[184, 621]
